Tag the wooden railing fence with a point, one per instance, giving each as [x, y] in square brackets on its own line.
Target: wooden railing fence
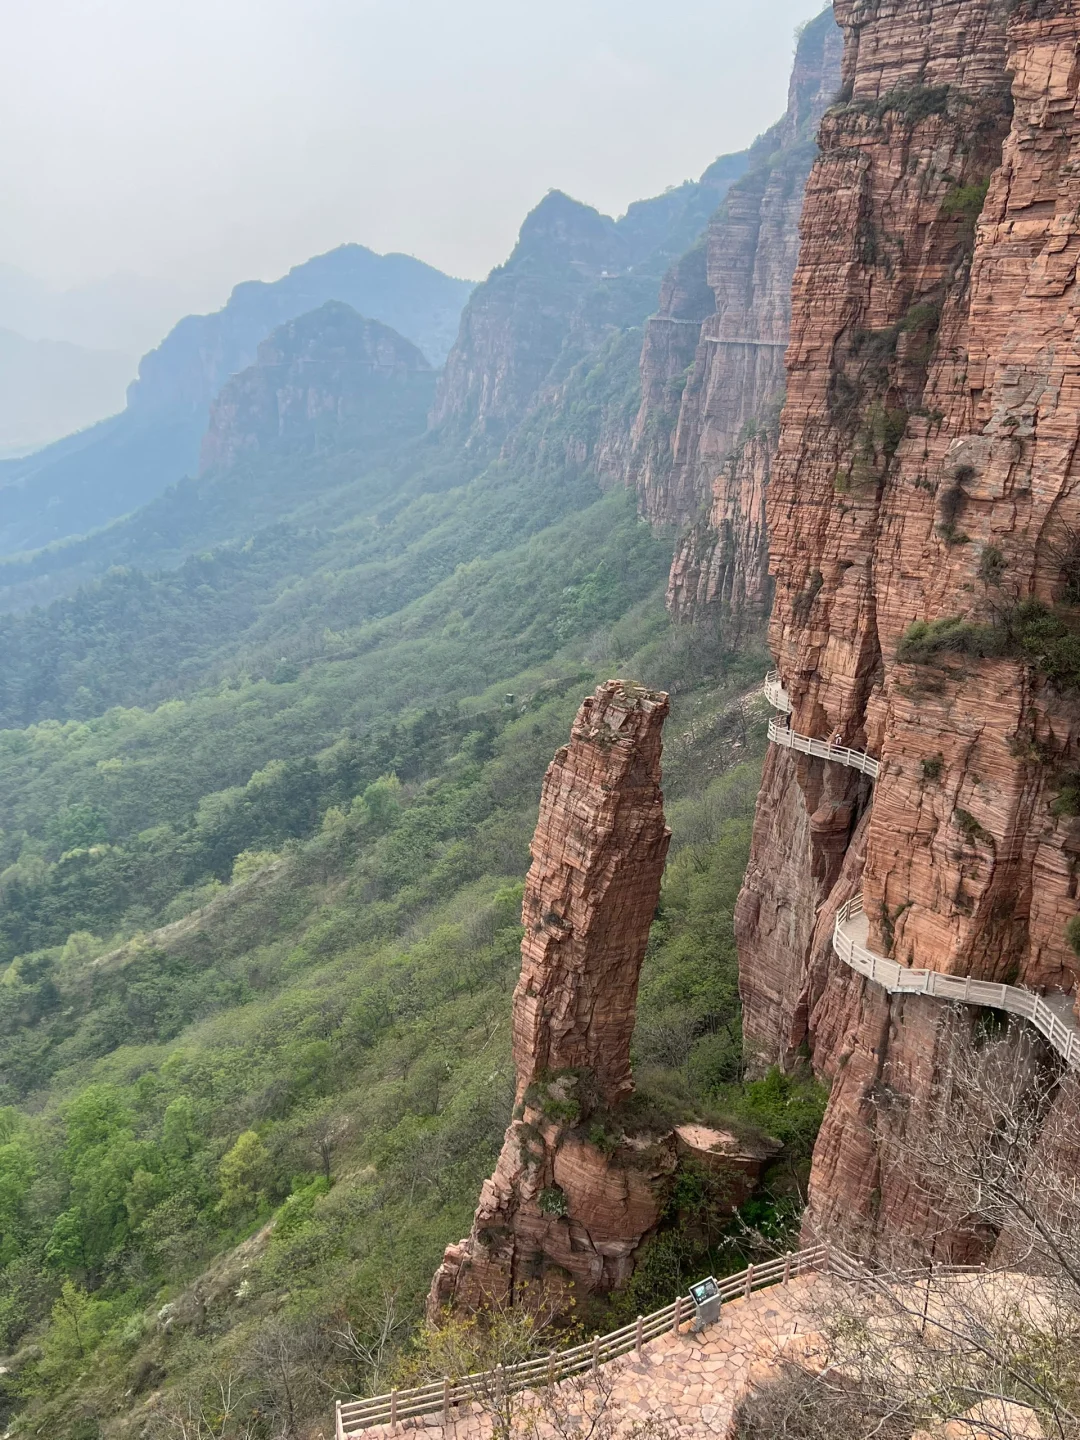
[442, 1396]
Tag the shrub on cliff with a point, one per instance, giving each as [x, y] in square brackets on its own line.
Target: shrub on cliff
[1046, 642]
[965, 202]
[926, 641]
[912, 102]
[1029, 631]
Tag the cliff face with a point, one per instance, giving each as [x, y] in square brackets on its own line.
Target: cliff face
[712, 363]
[561, 1208]
[575, 280]
[326, 373]
[926, 472]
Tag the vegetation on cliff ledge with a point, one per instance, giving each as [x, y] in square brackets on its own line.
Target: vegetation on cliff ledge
[1029, 631]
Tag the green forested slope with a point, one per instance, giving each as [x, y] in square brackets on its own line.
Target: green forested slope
[324, 1038]
[326, 1041]
[129, 808]
[265, 820]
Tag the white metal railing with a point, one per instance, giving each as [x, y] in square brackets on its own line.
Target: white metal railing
[775, 693]
[780, 734]
[355, 1416]
[898, 979]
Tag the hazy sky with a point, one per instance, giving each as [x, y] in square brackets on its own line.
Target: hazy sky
[208, 141]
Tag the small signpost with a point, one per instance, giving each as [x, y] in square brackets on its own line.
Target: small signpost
[706, 1297]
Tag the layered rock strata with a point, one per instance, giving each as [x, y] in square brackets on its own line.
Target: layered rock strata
[712, 371]
[564, 1205]
[923, 513]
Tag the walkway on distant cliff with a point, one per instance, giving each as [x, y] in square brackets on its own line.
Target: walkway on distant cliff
[780, 733]
[1053, 1018]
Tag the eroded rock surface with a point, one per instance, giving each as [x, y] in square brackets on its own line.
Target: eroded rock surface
[712, 364]
[926, 472]
[328, 373]
[565, 1205]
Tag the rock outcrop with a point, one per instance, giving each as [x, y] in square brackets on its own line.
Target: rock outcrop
[572, 1196]
[712, 372]
[324, 376]
[559, 360]
[923, 517]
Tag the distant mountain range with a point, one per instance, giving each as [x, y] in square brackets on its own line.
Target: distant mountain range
[88, 479]
[52, 387]
[123, 312]
[575, 278]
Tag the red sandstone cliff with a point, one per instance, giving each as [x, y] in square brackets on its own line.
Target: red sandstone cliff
[559, 1207]
[551, 362]
[712, 363]
[926, 472]
[534, 336]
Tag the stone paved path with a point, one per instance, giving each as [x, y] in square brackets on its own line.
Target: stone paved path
[690, 1382]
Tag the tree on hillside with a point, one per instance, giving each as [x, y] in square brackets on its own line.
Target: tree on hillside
[243, 1174]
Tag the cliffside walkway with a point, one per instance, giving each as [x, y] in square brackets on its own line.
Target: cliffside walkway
[782, 734]
[775, 693]
[1053, 1018]
[661, 1369]
[444, 1400]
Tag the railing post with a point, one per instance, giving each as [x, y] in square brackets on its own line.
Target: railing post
[393, 1408]
[339, 1429]
[638, 1329]
[446, 1400]
[596, 1352]
[749, 1281]
[677, 1318]
[787, 1268]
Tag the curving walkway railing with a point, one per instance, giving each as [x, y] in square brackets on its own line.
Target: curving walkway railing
[780, 734]
[849, 941]
[775, 693]
[441, 1396]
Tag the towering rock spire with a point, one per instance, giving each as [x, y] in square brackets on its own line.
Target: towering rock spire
[564, 1207]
